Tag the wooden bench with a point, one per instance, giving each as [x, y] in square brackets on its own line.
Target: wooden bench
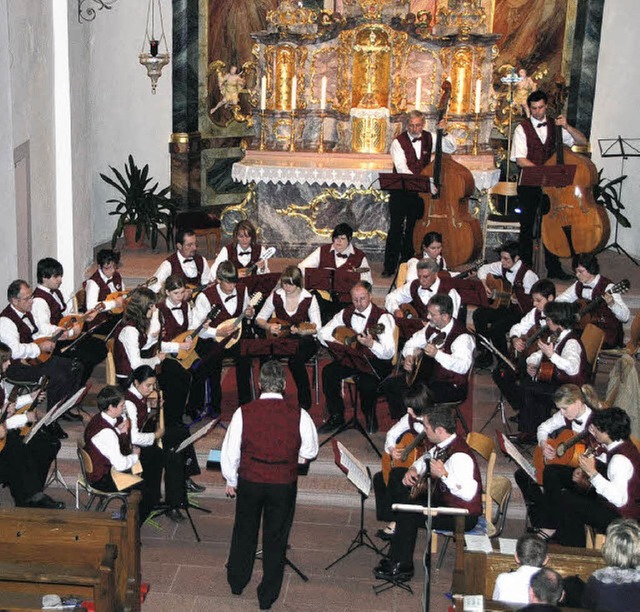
[482, 569]
[67, 552]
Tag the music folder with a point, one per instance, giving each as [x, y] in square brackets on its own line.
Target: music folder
[394, 181]
[351, 358]
[547, 176]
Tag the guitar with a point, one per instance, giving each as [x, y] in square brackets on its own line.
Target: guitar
[501, 291]
[13, 396]
[232, 328]
[420, 488]
[568, 446]
[186, 358]
[304, 328]
[43, 383]
[438, 340]
[349, 337]
[546, 369]
[588, 306]
[410, 453]
[251, 269]
[125, 294]
[475, 266]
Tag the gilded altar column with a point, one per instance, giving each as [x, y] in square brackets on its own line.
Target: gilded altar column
[184, 143]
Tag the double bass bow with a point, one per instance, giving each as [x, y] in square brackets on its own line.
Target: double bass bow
[447, 210]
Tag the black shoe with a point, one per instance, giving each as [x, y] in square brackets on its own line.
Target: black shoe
[57, 432]
[175, 515]
[194, 487]
[332, 424]
[560, 275]
[514, 419]
[398, 572]
[42, 500]
[384, 565]
[385, 534]
[388, 273]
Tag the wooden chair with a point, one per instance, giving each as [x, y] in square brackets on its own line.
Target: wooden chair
[592, 339]
[110, 364]
[401, 277]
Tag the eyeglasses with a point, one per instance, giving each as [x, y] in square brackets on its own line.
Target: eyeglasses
[25, 299]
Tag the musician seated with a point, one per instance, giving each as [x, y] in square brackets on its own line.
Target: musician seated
[186, 262]
[447, 347]
[137, 343]
[455, 482]
[575, 410]
[494, 323]
[607, 483]
[531, 555]
[105, 281]
[221, 309]
[377, 349]
[611, 312]
[146, 430]
[560, 359]
[107, 440]
[18, 331]
[418, 292]
[292, 306]
[49, 307]
[339, 255]
[430, 248]
[29, 462]
[244, 252]
[417, 401]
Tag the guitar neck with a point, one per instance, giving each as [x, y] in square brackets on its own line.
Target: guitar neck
[414, 443]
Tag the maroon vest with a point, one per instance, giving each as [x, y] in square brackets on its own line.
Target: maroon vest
[101, 465]
[301, 314]
[602, 316]
[443, 497]
[582, 376]
[211, 293]
[627, 449]
[415, 165]
[232, 255]
[25, 334]
[439, 373]
[170, 327]
[524, 299]
[176, 268]
[142, 410]
[374, 317]
[327, 258]
[270, 442]
[54, 306]
[123, 365]
[103, 288]
[443, 289]
[537, 152]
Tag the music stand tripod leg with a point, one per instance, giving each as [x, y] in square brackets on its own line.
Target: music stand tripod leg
[288, 562]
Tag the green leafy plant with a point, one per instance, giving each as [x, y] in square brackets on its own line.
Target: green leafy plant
[607, 194]
[151, 211]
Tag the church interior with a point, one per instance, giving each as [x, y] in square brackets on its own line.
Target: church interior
[283, 113]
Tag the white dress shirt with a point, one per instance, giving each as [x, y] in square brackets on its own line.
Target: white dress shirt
[314, 310]
[203, 307]
[92, 291]
[17, 420]
[412, 267]
[402, 295]
[188, 267]
[313, 261]
[138, 437]
[618, 308]
[10, 335]
[513, 587]
[231, 445]
[495, 268]
[619, 472]
[42, 314]
[176, 312]
[398, 156]
[568, 361]
[557, 421]
[244, 260]
[526, 323]
[107, 442]
[398, 430]
[383, 348]
[519, 145]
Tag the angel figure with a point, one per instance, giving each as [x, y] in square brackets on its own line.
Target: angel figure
[523, 89]
[230, 84]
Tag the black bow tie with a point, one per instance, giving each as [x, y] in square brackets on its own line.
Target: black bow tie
[244, 253]
[342, 255]
[187, 260]
[577, 422]
[588, 286]
[359, 314]
[418, 139]
[25, 316]
[427, 289]
[177, 308]
[543, 124]
[230, 297]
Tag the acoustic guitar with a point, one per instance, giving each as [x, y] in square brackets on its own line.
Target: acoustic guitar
[411, 451]
[588, 306]
[438, 340]
[568, 446]
[546, 369]
[420, 488]
[501, 291]
[41, 388]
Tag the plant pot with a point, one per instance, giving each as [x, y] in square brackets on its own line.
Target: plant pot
[130, 243]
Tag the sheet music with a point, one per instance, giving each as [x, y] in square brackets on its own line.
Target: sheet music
[518, 457]
[478, 543]
[507, 546]
[356, 472]
[473, 603]
[197, 435]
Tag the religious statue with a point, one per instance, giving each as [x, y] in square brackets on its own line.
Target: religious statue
[230, 84]
[232, 98]
[525, 86]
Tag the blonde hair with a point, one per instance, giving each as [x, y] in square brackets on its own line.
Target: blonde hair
[569, 394]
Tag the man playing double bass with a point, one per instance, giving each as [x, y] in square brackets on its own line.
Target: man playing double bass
[534, 142]
[411, 152]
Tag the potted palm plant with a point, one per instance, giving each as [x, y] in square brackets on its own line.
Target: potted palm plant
[141, 209]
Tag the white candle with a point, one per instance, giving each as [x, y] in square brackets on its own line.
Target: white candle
[263, 93]
[478, 94]
[294, 92]
[418, 92]
[323, 93]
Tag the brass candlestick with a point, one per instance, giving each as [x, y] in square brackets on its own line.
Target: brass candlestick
[476, 135]
[292, 135]
[262, 143]
[323, 114]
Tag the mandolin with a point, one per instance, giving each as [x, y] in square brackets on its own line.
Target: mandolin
[186, 358]
[304, 328]
[43, 383]
[349, 337]
[230, 331]
[125, 294]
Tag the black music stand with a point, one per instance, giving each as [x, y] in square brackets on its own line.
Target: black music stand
[356, 360]
[622, 148]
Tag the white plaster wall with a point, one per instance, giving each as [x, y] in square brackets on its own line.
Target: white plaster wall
[124, 116]
[615, 111]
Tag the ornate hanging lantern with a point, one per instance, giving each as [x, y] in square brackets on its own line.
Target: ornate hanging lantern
[154, 61]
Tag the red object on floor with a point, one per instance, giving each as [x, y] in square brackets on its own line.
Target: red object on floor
[89, 606]
[144, 589]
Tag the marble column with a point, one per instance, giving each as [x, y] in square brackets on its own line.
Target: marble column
[584, 64]
[185, 142]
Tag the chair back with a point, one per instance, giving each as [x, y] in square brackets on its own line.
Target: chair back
[401, 277]
[80, 301]
[86, 465]
[396, 339]
[592, 339]
[486, 448]
[110, 363]
[500, 493]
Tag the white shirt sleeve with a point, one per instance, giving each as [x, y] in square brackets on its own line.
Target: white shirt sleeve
[309, 437]
[519, 144]
[614, 488]
[129, 338]
[401, 295]
[618, 308]
[267, 309]
[460, 481]
[138, 437]
[11, 337]
[230, 453]
[107, 443]
[396, 432]
[162, 274]
[461, 357]
[524, 325]
[385, 347]
[325, 333]
[310, 261]
[42, 316]
[398, 157]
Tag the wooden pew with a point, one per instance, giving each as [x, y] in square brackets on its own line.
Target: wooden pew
[482, 569]
[71, 551]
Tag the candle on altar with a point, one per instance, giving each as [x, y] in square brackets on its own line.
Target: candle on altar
[263, 93]
[294, 92]
[418, 92]
[323, 93]
[478, 95]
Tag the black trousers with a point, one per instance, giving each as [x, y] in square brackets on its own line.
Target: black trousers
[495, 323]
[176, 385]
[383, 493]
[89, 352]
[405, 208]
[43, 448]
[18, 470]
[274, 505]
[530, 200]
[307, 348]
[403, 543]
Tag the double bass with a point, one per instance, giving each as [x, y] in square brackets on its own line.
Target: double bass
[447, 211]
[574, 223]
